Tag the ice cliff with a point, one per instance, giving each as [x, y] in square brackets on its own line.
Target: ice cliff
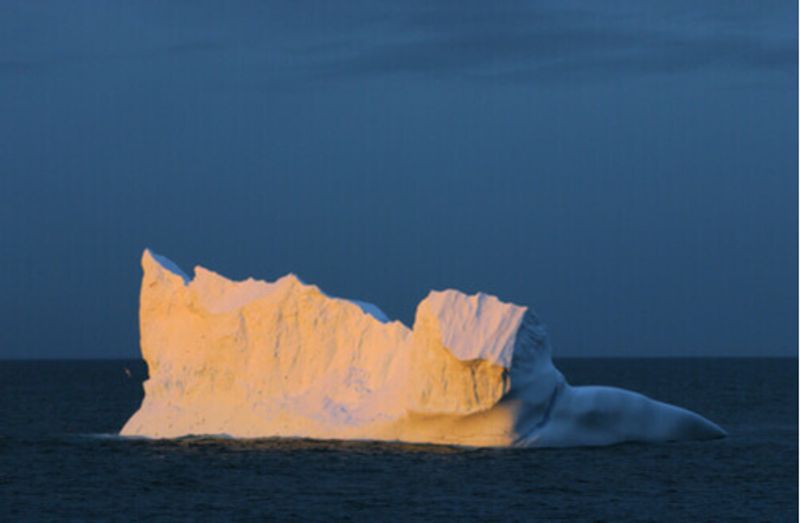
[255, 359]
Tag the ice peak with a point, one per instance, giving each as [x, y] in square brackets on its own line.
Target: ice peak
[472, 327]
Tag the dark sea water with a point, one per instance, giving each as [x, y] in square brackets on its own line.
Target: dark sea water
[60, 459]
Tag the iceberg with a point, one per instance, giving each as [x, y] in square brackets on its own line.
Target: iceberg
[252, 359]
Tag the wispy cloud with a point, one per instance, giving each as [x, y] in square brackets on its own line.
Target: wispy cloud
[515, 41]
[524, 42]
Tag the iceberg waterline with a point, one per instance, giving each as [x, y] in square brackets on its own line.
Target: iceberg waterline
[256, 359]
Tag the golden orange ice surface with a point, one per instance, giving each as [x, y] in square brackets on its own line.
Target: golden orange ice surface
[255, 359]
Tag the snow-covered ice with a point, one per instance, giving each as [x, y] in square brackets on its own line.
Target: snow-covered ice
[256, 359]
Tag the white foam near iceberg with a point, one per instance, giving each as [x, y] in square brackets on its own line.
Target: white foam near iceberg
[255, 359]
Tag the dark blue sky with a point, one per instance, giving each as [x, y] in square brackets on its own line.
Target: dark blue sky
[628, 169]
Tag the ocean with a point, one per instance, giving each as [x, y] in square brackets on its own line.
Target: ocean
[60, 458]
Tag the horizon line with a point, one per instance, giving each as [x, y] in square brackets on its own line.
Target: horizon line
[598, 357]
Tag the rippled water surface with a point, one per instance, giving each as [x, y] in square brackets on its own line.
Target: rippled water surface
[60, 460]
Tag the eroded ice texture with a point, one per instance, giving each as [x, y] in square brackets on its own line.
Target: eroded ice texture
[255, 359]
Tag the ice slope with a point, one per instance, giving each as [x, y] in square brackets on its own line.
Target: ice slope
[255, 359]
